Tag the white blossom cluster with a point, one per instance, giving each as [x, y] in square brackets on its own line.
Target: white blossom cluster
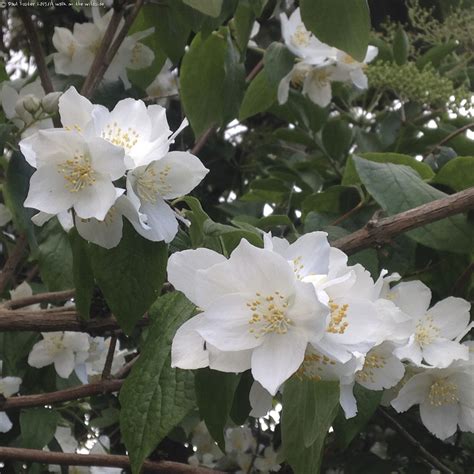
[300, 309]
[242, 451]
[75, 50]
[104, 165]
[317, 63]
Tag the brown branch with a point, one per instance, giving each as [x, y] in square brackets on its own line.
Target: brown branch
[94, 75]
[104, 60]
[36, 49]
[66, 395]
[13, 260]
[435, 462]
[123, 372]
[106, 460]
[110, 358]
[38, 298]
[57, 319]
[379, 232]
[450, 136]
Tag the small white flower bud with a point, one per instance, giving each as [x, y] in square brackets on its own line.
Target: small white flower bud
[31, 103]
[50, 102]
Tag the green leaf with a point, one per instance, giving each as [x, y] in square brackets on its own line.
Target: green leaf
[336, 200]
[212, 81]
[398, 188]
[278, 62]
[55, 257]
[130, 275]
[457, 173]
[436, 54]
[351, 176]
[337, 138]
[215, 394]
[244, 19]
[259, 96]
[401, 46]
[309, 408]
[340, 23]
[14, 350]
[15, 190]
[241, 404]
[208, 7]
[155, 397]
[38, 426]
[347, 429]
[82, 274]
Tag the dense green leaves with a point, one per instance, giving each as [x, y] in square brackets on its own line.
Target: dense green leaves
[309, 408]
[212, 60]
[215, 395]
[340, 23]
[156, 397]
[130, 275]
[398, 188]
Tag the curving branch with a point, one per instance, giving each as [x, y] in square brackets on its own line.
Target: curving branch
[13, 260]
[380, 231]
[105, 460]
[39, 298]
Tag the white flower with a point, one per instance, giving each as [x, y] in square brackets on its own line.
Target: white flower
[445, 396]
[240, 440]
[437, 330]
[252, 301]
[8, 387]
[63, 349]
[268, 462]
[73, 173]
[165, 83]
[23, 290]
[14, 108]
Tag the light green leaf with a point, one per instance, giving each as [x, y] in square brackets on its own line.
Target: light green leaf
[37, 427]
[208, 7]
[259, 96]
[398, 188]
[212, 81]
[350, 172]
[457, 173]
[340, 23]
[215, 394]
[309, 408]
[155, 397]
[243, 21]
[130, 275]
[401, 46]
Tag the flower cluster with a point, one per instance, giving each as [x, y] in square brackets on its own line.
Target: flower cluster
[318, 64]
[78, 165]
[299, 308]
[76, 49]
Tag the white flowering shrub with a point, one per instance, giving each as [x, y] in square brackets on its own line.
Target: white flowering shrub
[236, 236]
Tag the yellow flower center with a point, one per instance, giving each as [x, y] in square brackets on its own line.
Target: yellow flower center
[268, 314]
[443, 392]
[313, 364]
[114, 134]
[338, 322]
[301, 37]
[150, 184]
[372, 363]
[426, 332]
[77, 172]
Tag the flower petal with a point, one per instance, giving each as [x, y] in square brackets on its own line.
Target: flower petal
[441, 420]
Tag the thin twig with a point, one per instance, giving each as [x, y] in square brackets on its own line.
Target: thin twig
[106, 460]
[348, 213]
[39, 298]
[36, 49]
[435, 462]
[110, 358]
[13, 260]
[379, 232]
[463, 280]
[450, 136]
[123, 372]
[93, 75]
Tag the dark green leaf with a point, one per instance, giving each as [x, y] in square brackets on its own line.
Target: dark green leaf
[208, 7]
[278, 62]
[339, 23]
[347, 429]
[37, 427]
[309, 408]
[457, 173]
[401, 46]
[260, 96]
[244, 19]
[398, 188]
[241, 404]
[130, 275]
[155, 397]
[215, 394]
[337, 138]
[82, 274]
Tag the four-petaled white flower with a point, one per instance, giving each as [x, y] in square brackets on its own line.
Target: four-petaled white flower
[437, 331]
[66, 350]
[252, 302]
[8, 387]
[445, 396]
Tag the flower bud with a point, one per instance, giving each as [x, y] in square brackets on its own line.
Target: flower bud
[31, 103]
[50, 102]
[21, 112]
